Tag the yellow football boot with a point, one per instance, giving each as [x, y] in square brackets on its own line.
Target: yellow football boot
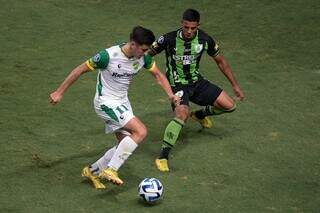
[162, 165]
[94, 178]
[111, 175]
[205, 122]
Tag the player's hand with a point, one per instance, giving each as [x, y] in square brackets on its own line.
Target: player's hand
[238, 92]
[175, 99]
[55, 97]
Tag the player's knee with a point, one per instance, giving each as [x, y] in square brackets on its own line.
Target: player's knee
[142, 132]
[182, 114]
[182, 117]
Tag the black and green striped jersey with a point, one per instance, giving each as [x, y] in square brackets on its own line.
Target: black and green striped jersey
[183, 57]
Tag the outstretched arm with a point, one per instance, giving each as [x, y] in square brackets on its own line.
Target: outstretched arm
[162, 80]
[226, 70]
[57, 95]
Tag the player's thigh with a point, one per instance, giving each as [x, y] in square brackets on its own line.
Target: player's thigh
[115, 115]
[224, 101]
[205, 93]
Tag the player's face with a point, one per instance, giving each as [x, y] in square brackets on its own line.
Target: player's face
[189, 29]
[139, 50]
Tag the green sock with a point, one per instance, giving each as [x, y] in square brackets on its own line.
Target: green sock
[170, 136]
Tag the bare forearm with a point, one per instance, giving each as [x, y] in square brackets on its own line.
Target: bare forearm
[71, 78]
[163, 82]
[226, 70]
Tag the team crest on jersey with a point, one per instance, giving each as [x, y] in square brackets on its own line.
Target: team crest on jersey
[160, 39]
[135, 65]
[198, 48]
[96, 58]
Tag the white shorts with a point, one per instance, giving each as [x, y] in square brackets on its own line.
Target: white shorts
[115, 115]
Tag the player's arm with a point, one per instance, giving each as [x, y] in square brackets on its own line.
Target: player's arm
[227, 71]
[161, 79]
[57, 95]
[158, 46]
[214, 51]
[163, 82]
[99, 61]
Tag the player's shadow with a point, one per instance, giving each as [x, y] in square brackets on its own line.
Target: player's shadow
[190, 135]
[40, 161]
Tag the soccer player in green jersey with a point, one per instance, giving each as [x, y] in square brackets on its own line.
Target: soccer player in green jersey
[116, 66]
[184, 48]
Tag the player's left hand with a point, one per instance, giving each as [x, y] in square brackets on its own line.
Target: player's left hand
[238, 92]
[175, 99]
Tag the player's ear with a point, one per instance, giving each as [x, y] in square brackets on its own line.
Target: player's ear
[132, 44]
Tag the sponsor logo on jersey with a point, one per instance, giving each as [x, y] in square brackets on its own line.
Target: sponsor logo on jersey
[119, 66]
[185, 57]
[126, 74]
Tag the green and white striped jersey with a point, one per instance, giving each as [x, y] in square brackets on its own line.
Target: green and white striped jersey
[183, 57]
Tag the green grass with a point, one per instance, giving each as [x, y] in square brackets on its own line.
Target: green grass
[262, 158]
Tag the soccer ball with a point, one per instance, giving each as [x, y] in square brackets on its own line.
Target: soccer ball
[150, 189]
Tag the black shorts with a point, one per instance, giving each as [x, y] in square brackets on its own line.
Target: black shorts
[202, 93]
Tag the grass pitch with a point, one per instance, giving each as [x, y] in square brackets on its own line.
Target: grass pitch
[262, 158]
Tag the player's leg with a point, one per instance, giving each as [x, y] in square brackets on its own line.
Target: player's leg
[215, 100]
[115, 117]
[223, 104]
[172, 132]
[126, 147]
[102, 163]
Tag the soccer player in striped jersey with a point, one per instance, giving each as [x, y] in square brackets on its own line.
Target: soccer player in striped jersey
[183, 49]
[116, 68]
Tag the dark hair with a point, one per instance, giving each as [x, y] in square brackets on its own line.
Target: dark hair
[142, 36]
[191, 15]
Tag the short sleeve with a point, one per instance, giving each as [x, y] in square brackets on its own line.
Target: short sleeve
[148, 61]
[159, 45]
[99, 61]
[213, 47]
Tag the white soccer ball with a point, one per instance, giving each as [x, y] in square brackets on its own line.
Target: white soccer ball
[150, 189]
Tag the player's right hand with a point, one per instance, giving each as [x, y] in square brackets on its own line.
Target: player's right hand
[55, 97]
[239, 93]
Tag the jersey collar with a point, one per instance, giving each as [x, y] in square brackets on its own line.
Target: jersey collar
[129, 58]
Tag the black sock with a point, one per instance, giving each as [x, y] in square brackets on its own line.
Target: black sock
[164, 154]
[200, 114]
